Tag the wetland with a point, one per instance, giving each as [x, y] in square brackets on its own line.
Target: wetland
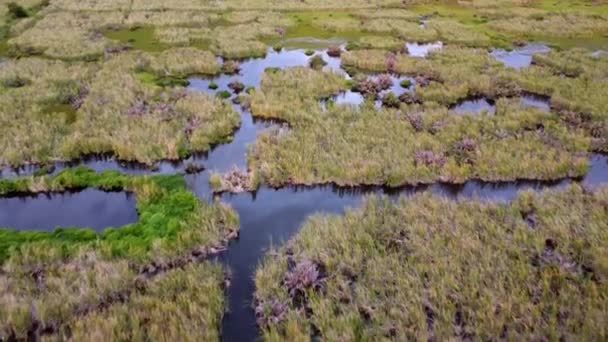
[189, 171]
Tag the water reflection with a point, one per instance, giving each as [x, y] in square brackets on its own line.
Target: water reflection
[520, 57]
[91, 208]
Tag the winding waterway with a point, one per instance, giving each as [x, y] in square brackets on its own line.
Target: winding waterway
[269, 216]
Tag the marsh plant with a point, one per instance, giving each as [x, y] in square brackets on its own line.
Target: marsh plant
[82, 278]
[426, 267]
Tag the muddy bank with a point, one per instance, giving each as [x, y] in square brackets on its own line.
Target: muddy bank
[91, 208]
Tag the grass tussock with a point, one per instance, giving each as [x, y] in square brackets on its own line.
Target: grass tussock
[418, 145]
[66, 35]
[415, 143]
[283, 92]
[115, 111]
[183, 305]
[571, 24]
[429, 268]
[186, 61]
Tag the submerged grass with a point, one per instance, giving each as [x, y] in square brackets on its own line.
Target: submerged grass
[429, 268]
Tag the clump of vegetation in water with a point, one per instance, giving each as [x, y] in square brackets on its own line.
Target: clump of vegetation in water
[527, 253]
[317, 62]
[334, 51]
[391, 100]
[234, 181]
[373, 85]
[231, 67]
[236, 86]
[223, 94]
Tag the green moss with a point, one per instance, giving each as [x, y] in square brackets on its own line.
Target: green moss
[317, 62]
[66, 112]
[304, 28]
[405, 83]
[140, 38]
[223, 94]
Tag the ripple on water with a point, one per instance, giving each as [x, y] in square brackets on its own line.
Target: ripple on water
[90, 208]
[520, 57]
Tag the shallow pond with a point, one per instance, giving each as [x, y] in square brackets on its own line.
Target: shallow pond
[90, 208]
[536, 101]
[422, 49]
[475, 106]
[251, 70]
[520, 57]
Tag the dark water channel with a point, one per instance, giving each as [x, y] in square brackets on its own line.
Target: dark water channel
[272, 216]
[90, 208]
[269, 216]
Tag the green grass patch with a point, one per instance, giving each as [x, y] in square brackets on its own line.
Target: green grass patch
[168, 212]
[140, 38]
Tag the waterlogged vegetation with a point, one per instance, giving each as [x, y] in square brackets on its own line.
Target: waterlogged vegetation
[243, 96]
[427, 268]
[171, 218]
[60, 279]
[114, 108]
[416, 143]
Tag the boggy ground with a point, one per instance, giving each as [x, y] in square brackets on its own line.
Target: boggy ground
[428, 268]
[423, 140]
[88, 77]
[55, 110]
[87, 93]
[140, 276]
